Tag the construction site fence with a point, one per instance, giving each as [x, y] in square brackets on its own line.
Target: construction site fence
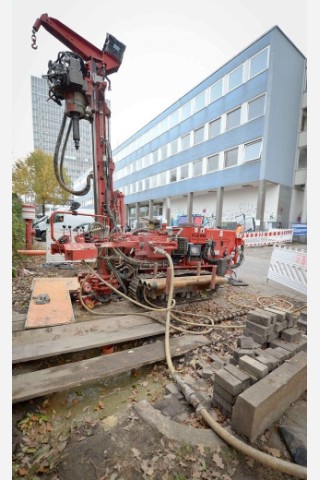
[271, 237]
[289, 267]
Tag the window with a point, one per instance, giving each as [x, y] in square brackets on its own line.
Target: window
[213, 163]
[146, 183]
[163, 178]
[199, 135]
[256, 107]
[186, 111]
[216, 91]
[233, 118]
[214, 127]
[147, 160]
[174, 118]
[197, 168]
[155, 156]
[164, 152]
[200, 102]
[302, 158]
[304, 120]
[174, 147]
[235, 78]
[140, 186]
[154, 181]
[231, 158]
[258, 63]
[173, 175]
[252, 151]
[185, 141]
[163, 125]
[184, 172]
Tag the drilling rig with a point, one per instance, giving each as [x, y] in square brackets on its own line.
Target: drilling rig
[135, 262]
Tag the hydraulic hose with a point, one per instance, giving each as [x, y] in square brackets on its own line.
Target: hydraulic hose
[58, 169]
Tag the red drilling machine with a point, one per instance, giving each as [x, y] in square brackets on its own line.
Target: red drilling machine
[135, 262]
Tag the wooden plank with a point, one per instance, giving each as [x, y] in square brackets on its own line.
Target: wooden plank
[18, 321]
[50, 380]
[45, 342]
[59, 309]
[94, 340]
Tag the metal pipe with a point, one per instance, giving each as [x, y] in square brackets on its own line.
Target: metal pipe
[180, 282]
[31, 252]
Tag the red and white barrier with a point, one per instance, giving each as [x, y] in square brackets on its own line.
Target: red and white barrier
[289, 267]
[272, 237]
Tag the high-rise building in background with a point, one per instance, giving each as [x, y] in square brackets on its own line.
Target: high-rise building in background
[46, 119]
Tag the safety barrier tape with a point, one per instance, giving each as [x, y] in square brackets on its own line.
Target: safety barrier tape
[289, 267]
[272, 237]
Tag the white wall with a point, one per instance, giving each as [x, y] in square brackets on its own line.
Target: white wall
[235, 203]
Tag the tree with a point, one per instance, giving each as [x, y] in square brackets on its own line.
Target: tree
[18, 226]
[34, 177]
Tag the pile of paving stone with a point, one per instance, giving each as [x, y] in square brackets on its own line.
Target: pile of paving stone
[270, 337]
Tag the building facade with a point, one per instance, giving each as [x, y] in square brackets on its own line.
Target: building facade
[232, 147]
[46, 119]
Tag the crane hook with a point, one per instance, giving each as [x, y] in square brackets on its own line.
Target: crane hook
[34, 42]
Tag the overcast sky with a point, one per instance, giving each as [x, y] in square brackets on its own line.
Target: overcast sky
[171, 46]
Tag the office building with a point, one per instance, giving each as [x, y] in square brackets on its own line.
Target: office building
[234, 147]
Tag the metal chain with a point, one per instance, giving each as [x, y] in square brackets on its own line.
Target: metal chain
[34, 41]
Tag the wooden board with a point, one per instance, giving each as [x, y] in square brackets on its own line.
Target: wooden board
[59, 309]
[38, 343]
[54, 379]
[81, 336]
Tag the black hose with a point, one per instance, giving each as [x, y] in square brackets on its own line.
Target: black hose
[57, 166]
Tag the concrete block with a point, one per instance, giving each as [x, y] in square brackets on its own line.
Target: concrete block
[246, 342]
[259, 406]
[265, 361]
[222, 404]
[272, 336]
[229, 382]
[276, 359]
[279, 314]
[302, 325]
[298, 346]
[215, 366]
[253, 366]
[281, 353]
[217, 359]
[259, 317]
[303, 315]
[218, 390]
[279, 326]
[259, 329]
[206, 372]
[261, 339]
[291, 335]
[240, 374]
[291, 320]
[239, 352]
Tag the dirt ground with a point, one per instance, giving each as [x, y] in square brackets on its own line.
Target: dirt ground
[94, 433]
